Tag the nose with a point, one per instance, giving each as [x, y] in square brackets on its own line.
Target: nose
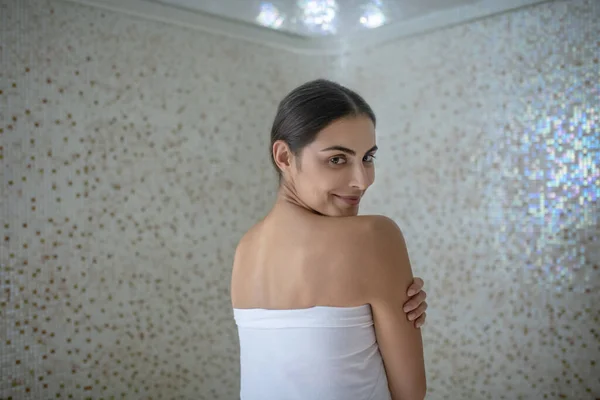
[360, 178]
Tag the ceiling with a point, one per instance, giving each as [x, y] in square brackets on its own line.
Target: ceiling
[314, 26]
[318, 18]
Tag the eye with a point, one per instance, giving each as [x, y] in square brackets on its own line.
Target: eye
[369, 158]
[337, 160]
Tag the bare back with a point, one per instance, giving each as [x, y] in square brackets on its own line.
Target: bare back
[295, 259]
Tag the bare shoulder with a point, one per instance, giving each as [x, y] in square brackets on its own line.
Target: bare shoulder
[247, 242]
[357, 235]
[379, 223]
[243, 256]
[379, 243]
[374, 230]
[382, 236]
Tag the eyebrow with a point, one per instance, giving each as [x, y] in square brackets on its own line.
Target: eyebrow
[347, 150]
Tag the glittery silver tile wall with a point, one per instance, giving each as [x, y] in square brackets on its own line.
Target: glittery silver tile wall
[490, 162]
[132, 157]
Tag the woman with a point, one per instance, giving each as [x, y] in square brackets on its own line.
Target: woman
[318, 300]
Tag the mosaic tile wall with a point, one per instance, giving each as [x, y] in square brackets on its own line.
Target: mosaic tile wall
[133, 158]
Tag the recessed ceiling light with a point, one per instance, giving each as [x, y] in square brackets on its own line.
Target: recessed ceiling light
[270, 16]
[319, 15]
[373, 15]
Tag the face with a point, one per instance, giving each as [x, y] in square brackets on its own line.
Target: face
[331, 175]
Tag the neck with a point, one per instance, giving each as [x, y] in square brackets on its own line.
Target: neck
[288, 197]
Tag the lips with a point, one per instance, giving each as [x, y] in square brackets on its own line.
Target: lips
[351, 200]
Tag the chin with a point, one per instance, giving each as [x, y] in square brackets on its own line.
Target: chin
[334, 210]
[348, 212]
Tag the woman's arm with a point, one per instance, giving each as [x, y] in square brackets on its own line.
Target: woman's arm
[399, 341]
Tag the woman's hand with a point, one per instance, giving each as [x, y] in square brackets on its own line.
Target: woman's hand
[416, 305]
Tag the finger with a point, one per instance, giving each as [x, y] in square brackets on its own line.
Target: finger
[416, 286]
[420, 321]
[415, 301]
[417, 312]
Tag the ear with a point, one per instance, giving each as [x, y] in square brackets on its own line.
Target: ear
[282, 155]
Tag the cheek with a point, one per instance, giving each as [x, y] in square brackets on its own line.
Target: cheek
[331, 179]
[318, 181]
[315, 173]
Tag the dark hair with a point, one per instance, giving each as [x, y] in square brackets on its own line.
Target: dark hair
[309, 108]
